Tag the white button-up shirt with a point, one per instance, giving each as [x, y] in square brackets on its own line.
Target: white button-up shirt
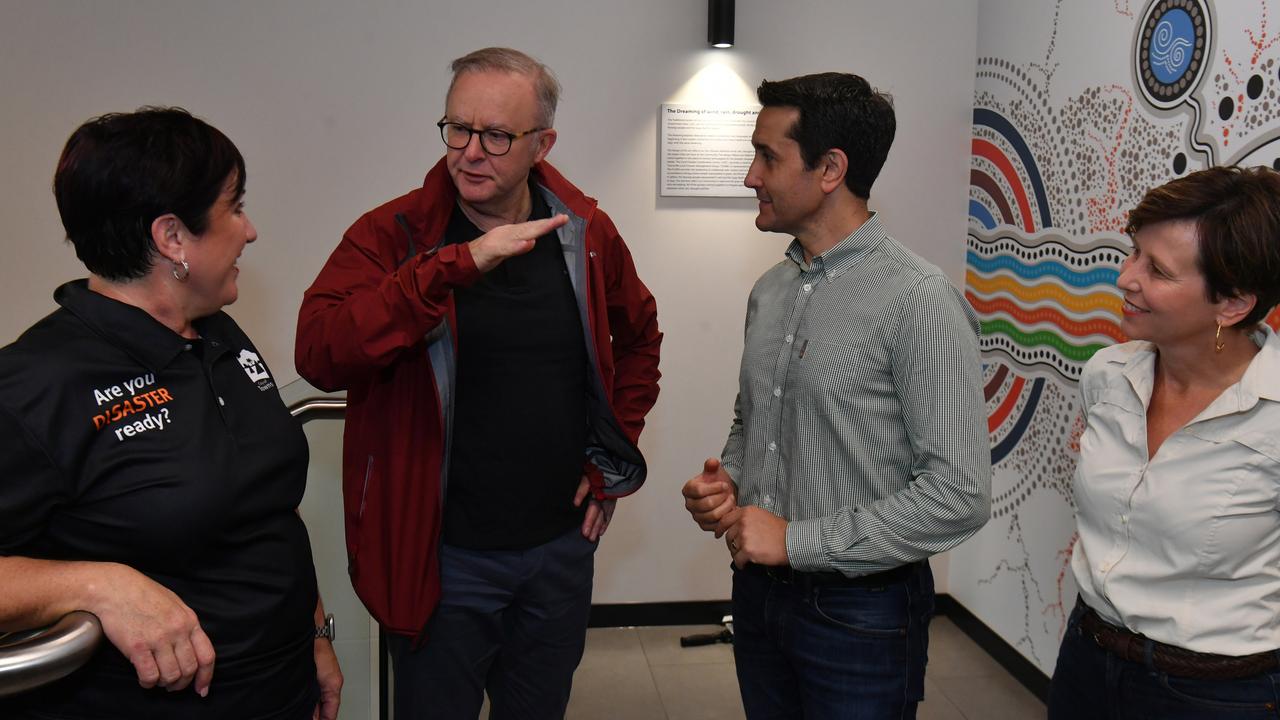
[1183, 548]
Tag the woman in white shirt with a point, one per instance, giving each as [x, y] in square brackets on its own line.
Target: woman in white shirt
[1178, 487]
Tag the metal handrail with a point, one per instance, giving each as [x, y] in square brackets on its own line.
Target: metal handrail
[34, 658]
[31, 658]
[324, 406]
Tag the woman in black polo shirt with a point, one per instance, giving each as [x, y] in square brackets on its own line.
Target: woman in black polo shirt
[149, 472]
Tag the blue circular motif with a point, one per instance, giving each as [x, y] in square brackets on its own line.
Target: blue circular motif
[1172, 44]
[1171, 50]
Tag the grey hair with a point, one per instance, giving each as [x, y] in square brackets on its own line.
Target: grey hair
[501, 59]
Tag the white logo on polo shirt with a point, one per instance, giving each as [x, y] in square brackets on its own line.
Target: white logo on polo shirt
[255, 369]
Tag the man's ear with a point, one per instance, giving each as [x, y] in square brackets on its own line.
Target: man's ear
[834, 164]
[546, 141]
[1232, 310]
[167, 233]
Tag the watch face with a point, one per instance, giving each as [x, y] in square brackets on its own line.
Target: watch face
[327, 629]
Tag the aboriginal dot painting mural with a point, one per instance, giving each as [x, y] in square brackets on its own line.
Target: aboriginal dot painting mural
[1079, 108]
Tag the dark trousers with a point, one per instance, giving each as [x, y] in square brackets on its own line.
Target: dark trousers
[513, 623]
[1091, 684]
[831, 652]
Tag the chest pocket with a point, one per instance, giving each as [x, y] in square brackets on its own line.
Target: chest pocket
[1263, 443]
[842, 377]
[1239, 494]
[1266, 447]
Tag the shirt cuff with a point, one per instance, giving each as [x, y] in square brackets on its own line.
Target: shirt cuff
[804, 546]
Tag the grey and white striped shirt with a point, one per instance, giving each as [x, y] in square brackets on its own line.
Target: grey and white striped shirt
[860, 416]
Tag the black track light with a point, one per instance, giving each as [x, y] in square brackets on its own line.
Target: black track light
[720, 23]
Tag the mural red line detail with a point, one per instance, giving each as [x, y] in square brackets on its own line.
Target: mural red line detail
[1077, 328]
[986, 150]
[1006, 406]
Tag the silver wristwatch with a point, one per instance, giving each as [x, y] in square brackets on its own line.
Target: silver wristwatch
[326, 630]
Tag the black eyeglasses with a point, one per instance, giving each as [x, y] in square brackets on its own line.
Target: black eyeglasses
[494, 141]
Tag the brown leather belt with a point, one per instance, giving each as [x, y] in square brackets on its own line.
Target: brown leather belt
[1170, 659]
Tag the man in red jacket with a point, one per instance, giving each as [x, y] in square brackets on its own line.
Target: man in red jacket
[499, 355]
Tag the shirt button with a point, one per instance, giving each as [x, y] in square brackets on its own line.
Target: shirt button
[773, 446]
[767, 501]
[221, 401]
[1124, 519]
[777, 392]
[187, 346]
[790, 338]
[808, 287]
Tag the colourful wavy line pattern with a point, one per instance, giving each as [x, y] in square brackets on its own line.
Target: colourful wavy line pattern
[1050, 338]
[1100, 301]
[999, 147]
[1024, 317]
[1031, 271]
[1044, 305]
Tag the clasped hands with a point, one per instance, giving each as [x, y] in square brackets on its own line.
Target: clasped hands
[752, 534]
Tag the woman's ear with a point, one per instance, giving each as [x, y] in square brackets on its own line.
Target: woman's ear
[1232, 310]
[167, 235]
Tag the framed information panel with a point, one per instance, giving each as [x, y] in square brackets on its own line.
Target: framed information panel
[706, 151]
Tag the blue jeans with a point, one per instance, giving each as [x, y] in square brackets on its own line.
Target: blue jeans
[1090, 683]
[829, 651]
[513, 623]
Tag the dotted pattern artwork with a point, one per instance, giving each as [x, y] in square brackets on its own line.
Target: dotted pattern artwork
[1054, 171]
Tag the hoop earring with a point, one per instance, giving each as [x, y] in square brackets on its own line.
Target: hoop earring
[181, 271]
[1217, 340]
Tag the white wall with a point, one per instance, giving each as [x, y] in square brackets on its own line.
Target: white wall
[333, 105]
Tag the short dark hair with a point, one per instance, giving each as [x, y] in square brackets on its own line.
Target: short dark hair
[121, 171]
[837, 110]
[1237, 216]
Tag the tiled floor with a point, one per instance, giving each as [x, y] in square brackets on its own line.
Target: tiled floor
[644, 674]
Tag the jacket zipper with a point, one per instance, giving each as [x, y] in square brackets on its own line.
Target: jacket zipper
[368, 472]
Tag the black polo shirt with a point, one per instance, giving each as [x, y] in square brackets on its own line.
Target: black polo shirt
[125, 442]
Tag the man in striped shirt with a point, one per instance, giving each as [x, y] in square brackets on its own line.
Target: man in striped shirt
[858, 446]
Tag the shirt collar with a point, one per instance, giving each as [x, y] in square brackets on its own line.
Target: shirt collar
[1261, 380]
[129, 328]
[835, 262]
[1139, 369]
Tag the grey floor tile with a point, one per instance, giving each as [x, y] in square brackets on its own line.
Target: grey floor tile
[954, 654]
[644, 674]
[662, 646]
[613, 640]
[699, 692]
[613, 680]
[936, 705]
[992, 697]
